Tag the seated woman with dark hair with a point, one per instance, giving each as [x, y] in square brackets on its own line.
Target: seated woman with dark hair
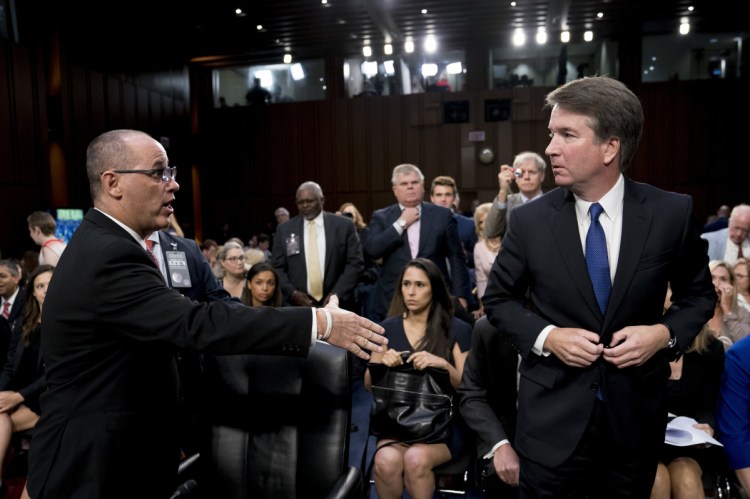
[420, 321]
[262, 288]
[22, 379]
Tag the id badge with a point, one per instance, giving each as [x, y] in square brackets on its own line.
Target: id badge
[292, 245]
[178, 269]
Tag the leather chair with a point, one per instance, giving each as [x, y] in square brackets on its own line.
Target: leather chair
[279, 427]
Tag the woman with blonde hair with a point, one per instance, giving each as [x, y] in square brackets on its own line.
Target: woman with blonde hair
[485, 252]
[742, 276]
[231, 268]
[730, 322]
[351, 211]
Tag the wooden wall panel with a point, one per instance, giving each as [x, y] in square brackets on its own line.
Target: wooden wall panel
[7, 143]
[97, 102]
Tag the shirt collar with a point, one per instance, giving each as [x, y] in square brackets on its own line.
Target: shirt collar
[611, 202]
[127, 229]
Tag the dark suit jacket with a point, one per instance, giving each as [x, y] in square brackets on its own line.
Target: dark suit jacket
[488, 387]
[111, 332]
[468, 235]
[438, 241]
[542, 255]
[343, 261]
[7, 325]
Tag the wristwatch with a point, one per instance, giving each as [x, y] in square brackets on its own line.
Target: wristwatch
[673, 349]
[401, 223]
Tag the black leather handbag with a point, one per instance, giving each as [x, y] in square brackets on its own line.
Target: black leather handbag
[410, 405]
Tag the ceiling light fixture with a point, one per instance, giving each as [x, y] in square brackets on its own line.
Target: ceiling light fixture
[519, 37]
[541, 35]
[430, 44]
[588, 36]
[565, 36]
[297, 72]
[454, 68]
[387, 49]
[287, 58]
[429, 70]
[409, 46]
[367, 51]
[684, 26]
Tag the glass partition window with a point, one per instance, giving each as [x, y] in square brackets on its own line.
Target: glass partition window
[405, 74]
[269, 84]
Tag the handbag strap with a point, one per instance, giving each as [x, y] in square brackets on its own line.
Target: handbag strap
[368, 467]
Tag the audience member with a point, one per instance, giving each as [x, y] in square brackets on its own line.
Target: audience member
[252, 257]
[22, 377]
[733, 242]
[409, 229]
[318, 254]
[488, 395]
[264, 244]
[730, 322]
[595, 352]
[262, 288]
[42, 232]
[420, 322]
[370, 269]
[443, 192]
[184, 269]
[113, 328]
[231, 274]
[281, 214]
[742, 277]
[693, 392]
[718, 221]
[174, 227]
[528, 173]
[12, 301]
[252, 242]
[485, 252]
[210, 249]
[733, 413]
[257, 95]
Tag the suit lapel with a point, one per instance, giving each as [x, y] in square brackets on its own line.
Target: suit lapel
[636, 224]
[564, 224]
[329, 235]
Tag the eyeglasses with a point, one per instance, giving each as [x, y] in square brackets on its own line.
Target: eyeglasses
[164, 174]
[235, 259]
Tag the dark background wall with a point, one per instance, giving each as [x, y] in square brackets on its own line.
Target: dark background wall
[237, 165]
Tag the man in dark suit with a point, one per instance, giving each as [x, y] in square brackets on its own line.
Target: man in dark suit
[527, 173]
[112, 329]
[12, 302]
[488, 396]
[339, 253]
[444, 192]
[186, 269]
[579, 288]
[410, 229]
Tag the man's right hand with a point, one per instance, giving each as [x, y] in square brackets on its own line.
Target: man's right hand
[504, 179]
[410, 215]
[575, 347]
[354, 333]
[506, 464]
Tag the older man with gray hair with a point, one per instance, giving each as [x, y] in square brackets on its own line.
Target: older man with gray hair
[733, 242]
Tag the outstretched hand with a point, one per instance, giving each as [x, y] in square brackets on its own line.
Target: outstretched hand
[354, 333]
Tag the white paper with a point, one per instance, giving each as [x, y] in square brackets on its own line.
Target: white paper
[680, 432]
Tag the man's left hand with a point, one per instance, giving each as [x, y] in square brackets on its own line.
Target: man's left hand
[634, 345]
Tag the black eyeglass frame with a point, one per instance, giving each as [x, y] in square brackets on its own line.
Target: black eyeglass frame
[167, 173]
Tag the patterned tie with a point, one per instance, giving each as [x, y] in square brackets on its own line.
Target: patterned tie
[6, 309]
[150, 246]
[313, 262]
[739, 253]
[596, 258]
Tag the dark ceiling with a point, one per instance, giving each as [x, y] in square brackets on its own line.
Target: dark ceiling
[178, 31]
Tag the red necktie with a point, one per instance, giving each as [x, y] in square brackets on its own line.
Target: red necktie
[150, 249]
[6, 309]
[739, 253]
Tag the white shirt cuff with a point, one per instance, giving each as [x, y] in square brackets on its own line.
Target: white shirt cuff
[398, 228]
[538, 347]
[314, 331]
[491, 453]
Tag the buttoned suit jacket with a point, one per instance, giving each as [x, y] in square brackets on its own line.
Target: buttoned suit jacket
[343, 259]
[112, 329]
[13, 360]
[488, 387]
[497, 219]
[468, 234]
[7, 325]
[543, 260]
[438, 241]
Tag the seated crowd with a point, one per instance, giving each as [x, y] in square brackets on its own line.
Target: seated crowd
[410, 270]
